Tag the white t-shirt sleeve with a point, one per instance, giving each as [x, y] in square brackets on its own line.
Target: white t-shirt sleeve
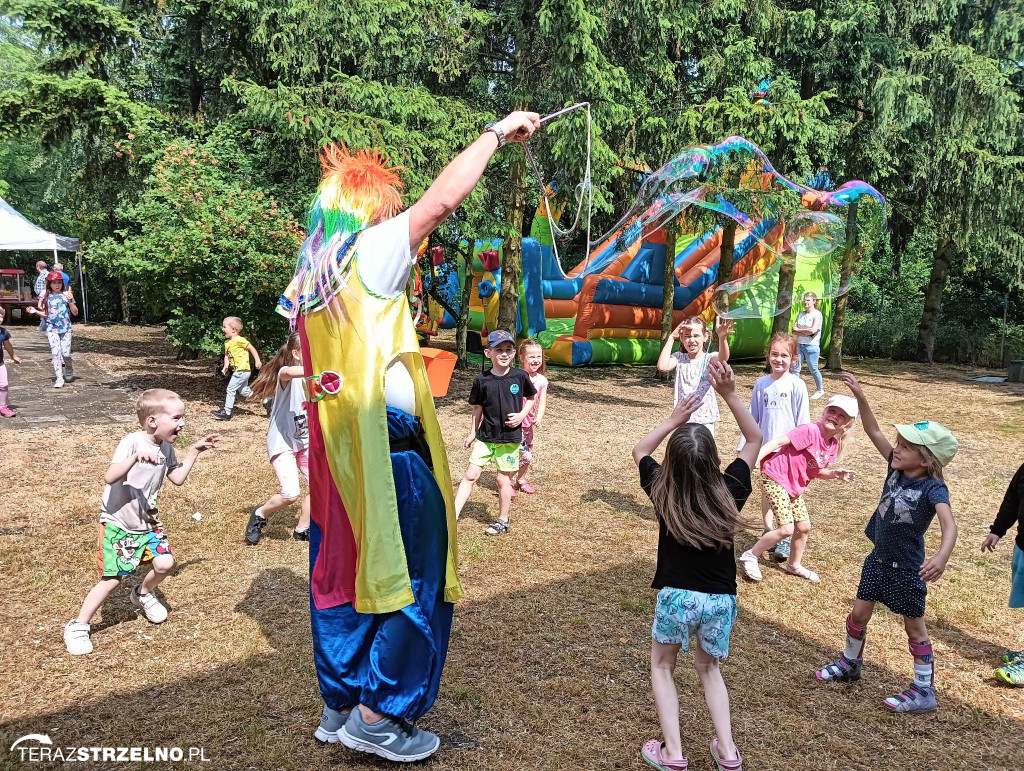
[125, 448]
[384, 258]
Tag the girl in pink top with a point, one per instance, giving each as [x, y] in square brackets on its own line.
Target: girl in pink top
[531, 354]
[788, 464]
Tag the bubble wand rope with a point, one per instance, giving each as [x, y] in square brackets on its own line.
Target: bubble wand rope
[587, 184]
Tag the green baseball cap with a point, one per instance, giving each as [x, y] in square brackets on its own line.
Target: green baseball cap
[935, 436]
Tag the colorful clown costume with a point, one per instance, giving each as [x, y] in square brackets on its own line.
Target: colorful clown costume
[383, 573]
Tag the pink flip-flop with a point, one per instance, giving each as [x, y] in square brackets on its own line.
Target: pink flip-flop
[725, 765]
[527, 488]
[651, 754]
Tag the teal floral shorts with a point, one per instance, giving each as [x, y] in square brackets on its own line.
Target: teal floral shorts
[682, 613]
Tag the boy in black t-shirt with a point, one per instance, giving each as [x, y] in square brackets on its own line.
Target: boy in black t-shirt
[501, 398]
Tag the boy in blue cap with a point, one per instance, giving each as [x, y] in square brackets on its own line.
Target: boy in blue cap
[501, 397]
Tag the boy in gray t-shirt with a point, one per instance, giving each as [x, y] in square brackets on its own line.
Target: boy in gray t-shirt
[130, 531]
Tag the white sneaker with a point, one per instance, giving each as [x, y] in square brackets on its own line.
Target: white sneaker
[150, 605]
[817, 394]
[76, 638]
[750, 566]
[58, 383]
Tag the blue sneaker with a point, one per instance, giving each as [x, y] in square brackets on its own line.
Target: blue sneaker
[1013, 657]
[781, 553]
[331, 722]
[391, 738]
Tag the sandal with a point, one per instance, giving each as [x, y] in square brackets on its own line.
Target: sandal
[722, 763]
[527, 488]
[498, 527]
[802, 572]
[651, 753]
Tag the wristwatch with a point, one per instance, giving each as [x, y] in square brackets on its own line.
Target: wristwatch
[496, 129]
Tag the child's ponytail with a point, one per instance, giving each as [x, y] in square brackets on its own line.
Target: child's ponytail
[265, 384]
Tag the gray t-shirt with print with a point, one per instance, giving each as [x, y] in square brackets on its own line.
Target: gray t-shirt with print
[130, 503]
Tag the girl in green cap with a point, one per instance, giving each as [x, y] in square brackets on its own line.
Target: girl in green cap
[896, 571]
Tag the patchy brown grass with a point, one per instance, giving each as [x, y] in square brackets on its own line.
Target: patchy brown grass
[548, 666]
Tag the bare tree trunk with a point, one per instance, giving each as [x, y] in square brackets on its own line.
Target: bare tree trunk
[835, 351]
[728, 252]
[462, 324]
[784, 298]
[933, 301]
[126, 311]
[668, 290]
[512, 247]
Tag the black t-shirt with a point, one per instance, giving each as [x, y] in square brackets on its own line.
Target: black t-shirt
[1012, 509]
[500, 396]
[684, 566]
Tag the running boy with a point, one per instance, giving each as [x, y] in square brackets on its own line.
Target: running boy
[130, 531]
[236, 356]
[501, 397]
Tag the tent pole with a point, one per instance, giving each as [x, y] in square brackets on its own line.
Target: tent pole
[81, 280]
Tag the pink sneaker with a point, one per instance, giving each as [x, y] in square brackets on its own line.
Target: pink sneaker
[651, 754]
[7, 412]
[527, 488]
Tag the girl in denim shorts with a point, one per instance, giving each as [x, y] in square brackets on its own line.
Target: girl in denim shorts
[698, 508]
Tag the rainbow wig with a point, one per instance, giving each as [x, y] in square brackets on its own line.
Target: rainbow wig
[356, 191]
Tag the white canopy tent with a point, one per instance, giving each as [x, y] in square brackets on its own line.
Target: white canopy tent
[18, 233]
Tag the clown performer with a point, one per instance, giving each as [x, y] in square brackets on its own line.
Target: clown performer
[382, 554]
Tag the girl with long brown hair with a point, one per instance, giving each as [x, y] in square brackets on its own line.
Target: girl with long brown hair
[698, 509]
[287, 437]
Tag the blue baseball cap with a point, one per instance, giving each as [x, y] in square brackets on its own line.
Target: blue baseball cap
[499, 336]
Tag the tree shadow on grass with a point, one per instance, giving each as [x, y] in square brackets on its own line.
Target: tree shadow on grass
[552, 677]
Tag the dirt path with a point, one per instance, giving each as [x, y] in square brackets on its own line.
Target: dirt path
[93, 397]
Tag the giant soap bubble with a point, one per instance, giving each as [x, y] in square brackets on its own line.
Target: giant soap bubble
[818, 235]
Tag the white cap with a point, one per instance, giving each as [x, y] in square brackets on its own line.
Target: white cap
[846, 403]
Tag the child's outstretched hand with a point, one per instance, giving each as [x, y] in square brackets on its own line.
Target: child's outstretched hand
[844, 474]
[724, 327]
[16, 360]
[990, 542]
[468, 441]
[147, 456]
[932, 569]
[721, 377]
[208, 442]
[852, 384]
[686, 407]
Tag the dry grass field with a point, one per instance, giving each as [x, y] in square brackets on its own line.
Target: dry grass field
[548, 667]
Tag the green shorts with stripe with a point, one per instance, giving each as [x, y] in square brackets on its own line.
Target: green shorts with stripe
[503, 455]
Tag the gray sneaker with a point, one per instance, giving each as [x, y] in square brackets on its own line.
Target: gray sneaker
[391, 738]
[331, 722]
[915, 699]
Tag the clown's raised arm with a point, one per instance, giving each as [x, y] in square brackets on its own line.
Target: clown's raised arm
[454, 184]
[383, 538]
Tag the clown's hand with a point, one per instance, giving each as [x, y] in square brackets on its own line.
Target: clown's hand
[519, 126]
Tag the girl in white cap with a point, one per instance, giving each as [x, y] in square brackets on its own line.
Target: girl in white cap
[788, 464]
[896, 570]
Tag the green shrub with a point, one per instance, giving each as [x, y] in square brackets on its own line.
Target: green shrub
[201, 244]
